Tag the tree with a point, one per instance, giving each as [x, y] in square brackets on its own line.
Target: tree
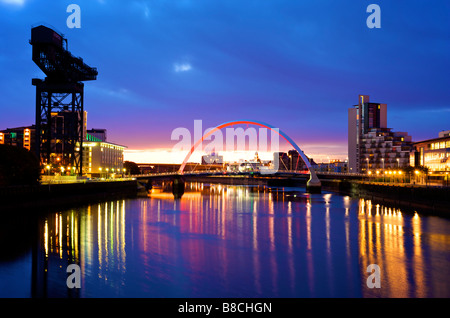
[18, 166]
[132, 167]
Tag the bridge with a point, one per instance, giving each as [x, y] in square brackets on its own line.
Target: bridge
[313, 183]
[282, 173]
[281, 179]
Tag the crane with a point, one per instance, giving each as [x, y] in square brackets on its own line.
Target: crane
[60, 116]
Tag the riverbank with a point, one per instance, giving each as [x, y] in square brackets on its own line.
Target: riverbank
[435, 200]
[64, 195]
[431, 199]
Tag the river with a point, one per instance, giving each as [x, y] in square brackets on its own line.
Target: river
[226, 241]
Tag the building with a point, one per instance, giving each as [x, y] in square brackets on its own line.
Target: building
[281, 161]
[362, 117]
[212, 158]
[19, 137]
[371, 145]
[99, 134]
[433, 153]
[103, 159]
[334, 165]
[290, 161]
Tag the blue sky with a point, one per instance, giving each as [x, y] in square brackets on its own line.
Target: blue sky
[298, 65]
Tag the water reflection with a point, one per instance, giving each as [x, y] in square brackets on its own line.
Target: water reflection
[410, 267]
[241, 241]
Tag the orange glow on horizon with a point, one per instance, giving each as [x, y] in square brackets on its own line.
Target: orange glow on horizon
[167, 155]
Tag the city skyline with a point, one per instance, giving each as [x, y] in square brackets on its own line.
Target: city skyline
[296, 66]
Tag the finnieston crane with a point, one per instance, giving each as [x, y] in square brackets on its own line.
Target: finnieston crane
[60, 117]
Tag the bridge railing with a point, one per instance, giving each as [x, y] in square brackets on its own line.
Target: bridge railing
[349, 174]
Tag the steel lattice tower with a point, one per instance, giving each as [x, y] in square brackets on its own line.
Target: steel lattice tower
[59, 99]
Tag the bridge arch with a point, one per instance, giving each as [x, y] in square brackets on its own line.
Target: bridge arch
[313, 184]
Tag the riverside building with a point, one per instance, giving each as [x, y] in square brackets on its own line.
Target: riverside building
[19, 137]
[372, 146]
[433, 154]
[102, 158]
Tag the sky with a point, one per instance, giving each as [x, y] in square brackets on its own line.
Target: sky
[297, 65]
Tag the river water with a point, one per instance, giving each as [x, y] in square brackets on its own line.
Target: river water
[227, 241]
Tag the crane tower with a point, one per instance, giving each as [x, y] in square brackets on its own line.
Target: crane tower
[60, 117]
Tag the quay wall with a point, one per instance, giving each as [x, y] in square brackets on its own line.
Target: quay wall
[64, 195]
[412, 197]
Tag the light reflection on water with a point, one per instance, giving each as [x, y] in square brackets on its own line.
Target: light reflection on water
[238, 241]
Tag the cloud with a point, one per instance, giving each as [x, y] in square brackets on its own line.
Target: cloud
[14, 2]
[182, 67]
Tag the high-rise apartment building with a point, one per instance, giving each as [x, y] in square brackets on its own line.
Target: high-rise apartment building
[371, 145]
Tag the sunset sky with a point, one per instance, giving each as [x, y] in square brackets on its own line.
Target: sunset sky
[298, 65]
